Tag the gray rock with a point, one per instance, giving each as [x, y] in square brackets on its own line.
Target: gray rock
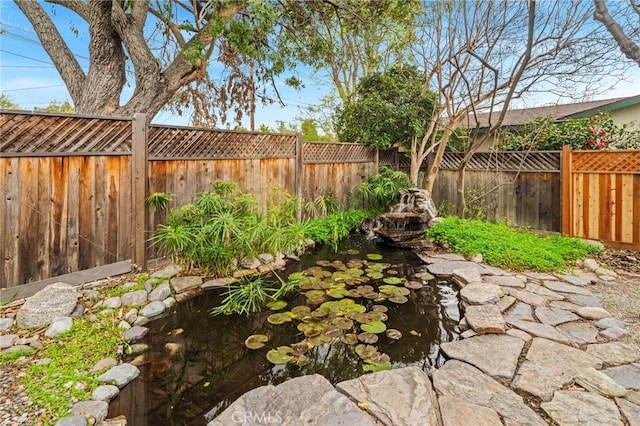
[538, 276]
[541, 330]
[141, 321]
[138, 297]
[167, 272]
[595, 381]
[72, 421]
[446, 268]
[520, 312]
[137, 348]
[135, 333]
[112, 303]
[633, 396]
[583, 300]
[604, 272]
[456, 412]
[250, 263]
[630, 410]
[592, 313]
[496, 355]
[548, 366]
[266, 257]
[614, 333]
[465, 276]
[567, 306]
[505, 303]
[554, 316]
[103, 364]
[462, 381]
[477, 258]
[514, 332]
[627, 375]
[6, 323]
[526, 296]
[609, 323]
[18, 348]
[78, 311]
[218, 282]
[183, 284]
[505, 281]
[120, 375]
[188, 294]
[578, 333]
[160, 293]
[615, 353]
[395, 397]
[285, 404]
[560, 287]
[55, 300]
[96, 409]
[468, 333]
[448, 257]
[105, 393]
[485, 319]
[148, 284]
[124, 325]
[481, 294]
[7, 340]
[543, 291]
[576, 280]
[590, 264]
[153, 309]
[169, 302]
[581, 408]
[59, 326]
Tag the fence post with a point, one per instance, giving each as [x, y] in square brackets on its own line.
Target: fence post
[299, 170]
[376, 161]
[139, 190]
[566, 193]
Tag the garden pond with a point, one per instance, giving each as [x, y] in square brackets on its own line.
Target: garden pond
[386, 312]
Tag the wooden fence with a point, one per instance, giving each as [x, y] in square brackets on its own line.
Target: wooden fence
[601, 194]
[74, 187]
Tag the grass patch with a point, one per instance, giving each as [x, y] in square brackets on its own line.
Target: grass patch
[67, 378]
[510, 248]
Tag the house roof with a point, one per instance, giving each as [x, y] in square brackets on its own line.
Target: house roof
[519, 117]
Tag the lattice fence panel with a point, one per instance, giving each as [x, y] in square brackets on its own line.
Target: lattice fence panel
[527, 161]
[179, 142]
[30, 133]
[626, 161]
[319, 153]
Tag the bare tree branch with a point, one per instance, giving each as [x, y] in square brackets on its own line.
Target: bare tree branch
[627, 46]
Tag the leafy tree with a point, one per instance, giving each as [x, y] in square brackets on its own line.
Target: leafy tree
[54, 106]
[309, 130]
[170, 46]
[348, 40]
[389, 108]
[6, 102]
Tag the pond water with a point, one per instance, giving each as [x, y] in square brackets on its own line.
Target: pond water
[198, 363]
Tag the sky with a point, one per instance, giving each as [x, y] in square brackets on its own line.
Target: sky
[29, 78]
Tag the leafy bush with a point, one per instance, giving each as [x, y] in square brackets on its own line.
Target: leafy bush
[225, 224]
[506, 247]
[382, 189]
[334, 227]
[595, 132]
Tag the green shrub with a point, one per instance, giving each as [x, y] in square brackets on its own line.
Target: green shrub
[334, 227]
[382, 189]
[506, 247]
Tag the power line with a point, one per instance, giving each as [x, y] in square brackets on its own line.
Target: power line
[4, 24]
[27, 66]
[26, 57]
[33, 88]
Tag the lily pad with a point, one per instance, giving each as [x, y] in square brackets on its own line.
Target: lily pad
[349, 339]
[398, 299]
[256, 341]
[376, 366]
[312, 294]
[425, 276]
[280, 318]
[379, 308]
[378, 316]
[392, 280]
[316, 300]
[300, 348]
[374, 327]
[394, 334]
[415, 285]
[368, 338]
[301, 311]
[276, 305]
[375, 275]
[338, 293]
[282, 355]
[332, 331]
[353, 251]
[302, 360]
[342, 323]
[374, 256]
[366, 351]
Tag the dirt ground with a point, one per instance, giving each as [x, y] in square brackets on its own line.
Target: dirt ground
[622, 298]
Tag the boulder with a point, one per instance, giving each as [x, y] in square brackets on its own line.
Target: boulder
[55, 300]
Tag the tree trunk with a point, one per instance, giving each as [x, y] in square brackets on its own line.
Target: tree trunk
[437, 160]
[627, 46]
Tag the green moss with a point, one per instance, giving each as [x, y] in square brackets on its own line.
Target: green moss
[510, 248]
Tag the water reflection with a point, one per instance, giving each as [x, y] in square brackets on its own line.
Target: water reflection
[199, 363]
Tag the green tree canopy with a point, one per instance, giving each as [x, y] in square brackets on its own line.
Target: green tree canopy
[390, 107]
